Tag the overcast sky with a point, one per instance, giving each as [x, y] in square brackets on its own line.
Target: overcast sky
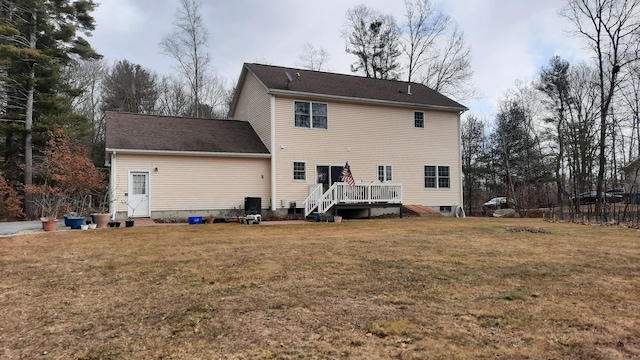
[510, 39]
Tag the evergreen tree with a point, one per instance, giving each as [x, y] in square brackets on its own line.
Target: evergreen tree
[474, 162]
[554, 83]
[517, 157]
[130, 88]
[37, 39]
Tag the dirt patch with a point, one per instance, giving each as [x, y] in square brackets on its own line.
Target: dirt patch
[526, 229]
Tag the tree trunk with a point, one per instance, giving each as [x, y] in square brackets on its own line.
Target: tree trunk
[28, 126]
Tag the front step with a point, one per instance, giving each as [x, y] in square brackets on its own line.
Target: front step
[420, 210]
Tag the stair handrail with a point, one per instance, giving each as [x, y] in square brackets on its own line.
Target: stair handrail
[329, 198]
[311, 202]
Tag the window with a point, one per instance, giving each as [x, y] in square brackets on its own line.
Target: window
[418, 119]
[443, 177]
[437, 177]
[139, 185]
[385, 173]
[310, 115]
[299, 171]
[302, 114]
[319, 112]
[430, 177]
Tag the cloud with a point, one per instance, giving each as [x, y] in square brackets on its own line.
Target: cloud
[510, 40]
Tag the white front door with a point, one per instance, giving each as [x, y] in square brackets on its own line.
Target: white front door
[138, 200]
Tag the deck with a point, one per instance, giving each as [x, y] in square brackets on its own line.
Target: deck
[360, 195]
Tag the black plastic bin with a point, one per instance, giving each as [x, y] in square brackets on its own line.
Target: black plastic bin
[252, 205]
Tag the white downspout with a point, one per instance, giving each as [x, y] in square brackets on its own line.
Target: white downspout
[112, 186]
[273, 153]
[460, 161]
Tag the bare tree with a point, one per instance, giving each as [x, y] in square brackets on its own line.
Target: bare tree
[611, 28]
[436, 51]
[312, 58]
[215, 94]
[87, 76]
[631, 101]
[449, 71]
[173, 99]
[187, 45]
[424, 26]
[374, 39]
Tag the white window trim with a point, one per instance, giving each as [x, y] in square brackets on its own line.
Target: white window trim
[424, 120]
[310, 115]
[384, 172]
[293, 172]
[437, 179]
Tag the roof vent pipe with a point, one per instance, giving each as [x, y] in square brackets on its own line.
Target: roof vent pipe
[409, 89]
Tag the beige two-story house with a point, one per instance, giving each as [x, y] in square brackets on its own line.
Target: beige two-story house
[296, 131]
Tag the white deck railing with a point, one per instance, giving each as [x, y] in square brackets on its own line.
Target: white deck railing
[315, 192]
[360, 193]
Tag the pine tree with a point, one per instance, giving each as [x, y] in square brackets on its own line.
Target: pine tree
[37, 39]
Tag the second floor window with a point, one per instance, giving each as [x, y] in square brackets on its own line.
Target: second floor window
[418, 119]
[310, 115]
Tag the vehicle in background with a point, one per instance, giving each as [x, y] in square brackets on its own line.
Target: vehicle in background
[498, 203]
[610, 196]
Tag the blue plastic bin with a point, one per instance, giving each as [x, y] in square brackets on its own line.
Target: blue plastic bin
[195, 220]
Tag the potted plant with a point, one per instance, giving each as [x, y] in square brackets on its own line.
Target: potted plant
[130, 222]
[48, 200]
[101, 217]
[63, 178]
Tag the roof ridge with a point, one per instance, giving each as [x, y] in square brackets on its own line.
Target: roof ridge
[169, 116]
[337, 73]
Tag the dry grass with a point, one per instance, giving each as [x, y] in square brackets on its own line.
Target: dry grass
[413, 288]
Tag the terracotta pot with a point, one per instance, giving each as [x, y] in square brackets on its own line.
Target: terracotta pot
[102, 220]
[49, 225]
[337, 218]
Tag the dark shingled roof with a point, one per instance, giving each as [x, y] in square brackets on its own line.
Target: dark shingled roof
[127, 131]
[350, 86]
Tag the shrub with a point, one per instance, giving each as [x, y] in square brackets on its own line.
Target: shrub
[66, 176]
[10, 201]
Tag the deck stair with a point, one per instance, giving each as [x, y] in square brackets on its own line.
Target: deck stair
[419, 210]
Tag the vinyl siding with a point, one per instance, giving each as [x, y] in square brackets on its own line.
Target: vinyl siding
[195, 183]
[367, 136]
[254, 106]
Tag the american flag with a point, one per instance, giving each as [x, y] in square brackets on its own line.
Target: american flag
[346, 175]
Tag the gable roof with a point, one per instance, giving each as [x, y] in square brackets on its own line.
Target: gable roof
[347, 87]
[153, 133]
